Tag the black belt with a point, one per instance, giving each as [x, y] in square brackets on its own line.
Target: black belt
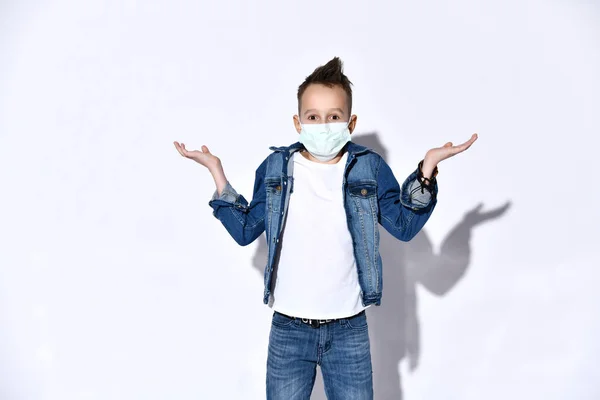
[315, 323]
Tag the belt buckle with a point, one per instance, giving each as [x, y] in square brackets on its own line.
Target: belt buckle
[315, 323]
[312, 322]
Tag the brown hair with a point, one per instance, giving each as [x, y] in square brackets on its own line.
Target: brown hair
[330, 74]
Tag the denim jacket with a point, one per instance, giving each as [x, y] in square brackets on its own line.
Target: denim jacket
[372, 196]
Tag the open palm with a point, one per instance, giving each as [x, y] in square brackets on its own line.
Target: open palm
[203, 156]
[435, 155]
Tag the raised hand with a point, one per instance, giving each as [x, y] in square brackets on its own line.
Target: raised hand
[206, 158]
[435, 155]
[203, 157]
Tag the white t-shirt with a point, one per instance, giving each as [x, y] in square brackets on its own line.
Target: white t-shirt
[316, 275]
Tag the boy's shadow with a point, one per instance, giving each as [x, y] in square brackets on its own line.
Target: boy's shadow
[394, 326]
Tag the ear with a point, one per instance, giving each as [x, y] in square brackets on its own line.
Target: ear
[297, 123]
[352, 123]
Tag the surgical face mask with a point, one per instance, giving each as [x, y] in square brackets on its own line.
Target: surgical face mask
[324, 141]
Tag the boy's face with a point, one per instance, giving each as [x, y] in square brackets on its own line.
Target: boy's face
[321, 104]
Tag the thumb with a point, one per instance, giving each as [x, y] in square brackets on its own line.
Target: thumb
[449, 144]
[205, 149]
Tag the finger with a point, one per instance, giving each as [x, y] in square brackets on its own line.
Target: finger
[459, 149]
[179, 149]
[469, 142]
[471, 139]
[186, 152]
[465, 145]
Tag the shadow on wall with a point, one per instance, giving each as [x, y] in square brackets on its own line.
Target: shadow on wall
[394, 326]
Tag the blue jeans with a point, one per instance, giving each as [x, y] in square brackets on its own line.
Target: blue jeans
[340, 347]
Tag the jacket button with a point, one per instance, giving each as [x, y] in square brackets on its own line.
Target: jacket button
[363, 192]
[278, 187]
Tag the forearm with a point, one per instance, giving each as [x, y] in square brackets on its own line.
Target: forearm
[405, 210]
[404, 223]
[245, 222]
[219, 177]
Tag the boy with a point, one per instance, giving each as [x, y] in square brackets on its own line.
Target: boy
[319, 202]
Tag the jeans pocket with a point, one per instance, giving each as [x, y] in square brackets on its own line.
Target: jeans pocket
[358, 322]
[281, 321]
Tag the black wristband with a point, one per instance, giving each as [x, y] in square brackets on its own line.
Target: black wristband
[430, 181]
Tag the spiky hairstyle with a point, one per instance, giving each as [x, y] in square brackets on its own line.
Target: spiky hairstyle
[330, 75]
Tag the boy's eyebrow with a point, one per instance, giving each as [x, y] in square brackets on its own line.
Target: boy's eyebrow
[331, 109]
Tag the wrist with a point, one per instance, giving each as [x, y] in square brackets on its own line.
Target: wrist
[428, 168]
[426, 175]
[215, 168]
[218, 176]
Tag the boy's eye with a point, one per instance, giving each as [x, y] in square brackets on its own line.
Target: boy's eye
[312, 117]
[335, 117]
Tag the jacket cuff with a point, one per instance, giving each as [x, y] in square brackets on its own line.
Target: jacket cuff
[228, 195]
[415, 196]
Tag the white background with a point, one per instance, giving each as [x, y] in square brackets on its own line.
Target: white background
[116, 282]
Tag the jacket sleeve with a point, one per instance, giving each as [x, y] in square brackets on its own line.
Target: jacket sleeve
[403, 211]
[244, 222]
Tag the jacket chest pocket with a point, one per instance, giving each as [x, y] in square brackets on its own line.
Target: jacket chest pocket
[274, 190]
[363, 197]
